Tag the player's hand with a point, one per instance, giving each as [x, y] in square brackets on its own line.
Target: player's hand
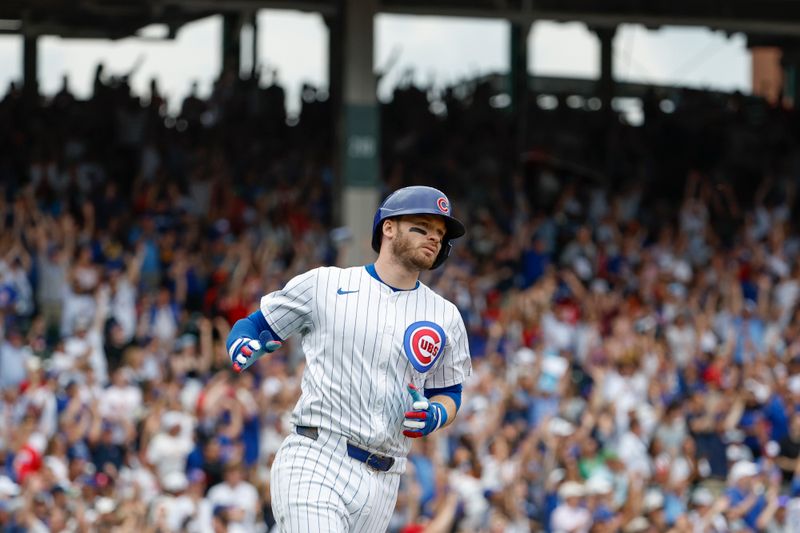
[244, 352]
[425, 416]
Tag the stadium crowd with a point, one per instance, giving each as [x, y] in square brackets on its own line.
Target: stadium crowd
[634, 330]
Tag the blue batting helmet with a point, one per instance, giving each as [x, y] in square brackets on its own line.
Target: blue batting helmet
[418, 200]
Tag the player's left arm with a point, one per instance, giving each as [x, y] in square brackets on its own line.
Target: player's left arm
[442, 395]
[449, 397]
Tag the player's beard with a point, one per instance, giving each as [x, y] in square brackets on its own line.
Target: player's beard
[409, 255]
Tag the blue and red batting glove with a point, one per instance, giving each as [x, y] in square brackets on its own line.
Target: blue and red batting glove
[244, 352]
[425, 416]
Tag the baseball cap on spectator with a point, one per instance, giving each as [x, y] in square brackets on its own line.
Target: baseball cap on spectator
[341, 235]
[734, 436]
[610, 454]
[59, 488]
[79, 451]
[171, 419]
[115, 265]
[599, 286]
[560, 427]
[184, 341]
[772, 449]
[678, 290]
[8, 297]
[271, 386]
[8, 488]
[601, 514]
[101, 480]
[33, 364]
[739, 525]
[525, 356]
[478, 403]
[653, 500]
[57, 467]
[196, 475]
[81, 323]
[597, 485]
[738, 452]
[555, 477]
[582, 267]
[794, 384]
[221, 509]
[647, 415]
[175, 482]
[571, 489]
[760, 391]
[104, 505]
[702, 497]
[636, 525]
[43, 497]
[71, 379]
[219, 229]
[742, 469]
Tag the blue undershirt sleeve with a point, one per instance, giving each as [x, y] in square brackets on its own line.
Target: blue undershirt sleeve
[453, 391]
[254, 326]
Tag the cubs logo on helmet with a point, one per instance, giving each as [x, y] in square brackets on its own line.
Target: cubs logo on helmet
[423, 342]
[443, 205]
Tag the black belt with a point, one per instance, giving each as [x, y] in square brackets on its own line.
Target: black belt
[382, 463]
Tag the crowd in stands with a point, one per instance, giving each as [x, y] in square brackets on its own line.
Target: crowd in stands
[635, 327]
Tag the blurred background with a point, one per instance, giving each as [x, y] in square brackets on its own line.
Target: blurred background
[627, 172]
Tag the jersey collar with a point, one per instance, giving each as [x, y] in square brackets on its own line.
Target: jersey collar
[372, 272]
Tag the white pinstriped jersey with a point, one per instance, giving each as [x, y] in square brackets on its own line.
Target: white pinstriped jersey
[364, 342]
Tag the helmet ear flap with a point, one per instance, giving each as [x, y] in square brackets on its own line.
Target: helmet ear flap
[444, 253]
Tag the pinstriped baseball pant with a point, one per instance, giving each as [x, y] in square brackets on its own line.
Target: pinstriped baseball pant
[317, 488]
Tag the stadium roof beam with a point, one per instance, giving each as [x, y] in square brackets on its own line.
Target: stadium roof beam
[324, 8]
[121, 18]
[764, 26]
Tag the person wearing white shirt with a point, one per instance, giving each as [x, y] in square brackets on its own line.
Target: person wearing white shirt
[682, 340]
[238, 495]
[122, 296]
[87, 344]
[201, 519]
[14, 355]
[173, 509]
[570, 516]
[168, 450]
[121, 402]
[633, 450]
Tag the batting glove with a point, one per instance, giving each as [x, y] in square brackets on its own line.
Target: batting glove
[244, 352]
[425, 417]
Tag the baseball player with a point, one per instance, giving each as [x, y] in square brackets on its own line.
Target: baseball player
[385, 361]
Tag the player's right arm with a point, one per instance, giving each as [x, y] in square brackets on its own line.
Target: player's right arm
[282, 313]
[249, 339]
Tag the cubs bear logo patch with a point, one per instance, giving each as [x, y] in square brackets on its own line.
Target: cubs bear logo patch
[423, 342]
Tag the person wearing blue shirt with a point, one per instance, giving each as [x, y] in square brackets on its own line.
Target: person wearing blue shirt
[745, 501]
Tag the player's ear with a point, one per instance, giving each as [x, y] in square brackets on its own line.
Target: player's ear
[389, 227]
